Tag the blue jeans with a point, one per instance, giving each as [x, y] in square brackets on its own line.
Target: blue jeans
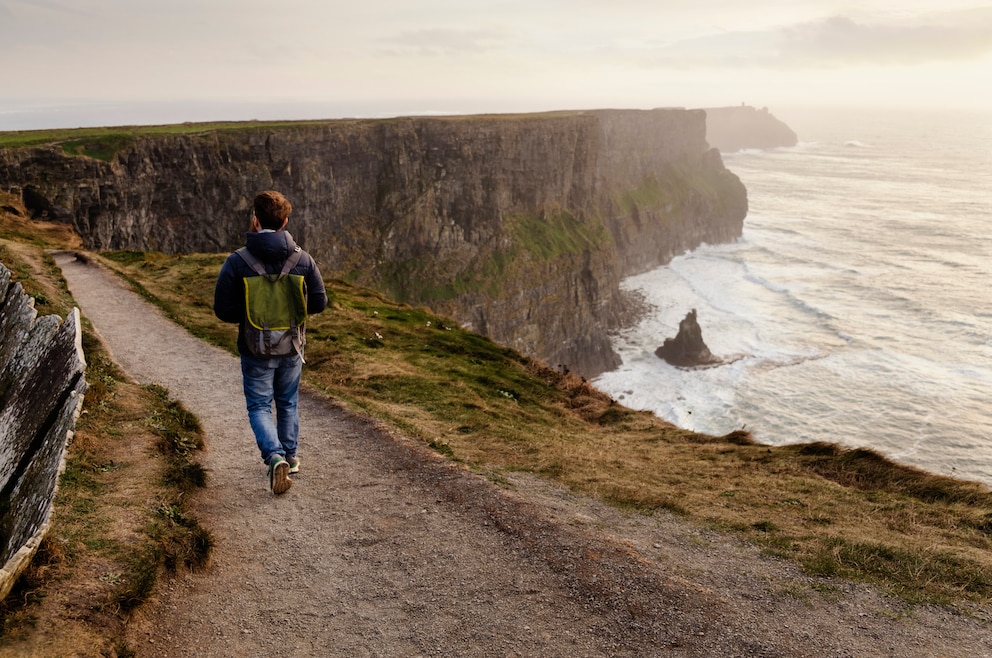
[267, 381]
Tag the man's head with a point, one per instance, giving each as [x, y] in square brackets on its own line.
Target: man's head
[271, 209]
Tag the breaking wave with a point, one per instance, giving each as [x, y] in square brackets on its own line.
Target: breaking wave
[857, 300]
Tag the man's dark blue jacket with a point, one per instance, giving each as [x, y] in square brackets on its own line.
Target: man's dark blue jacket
[272, 248]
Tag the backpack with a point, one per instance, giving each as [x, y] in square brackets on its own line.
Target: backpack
[275, 308]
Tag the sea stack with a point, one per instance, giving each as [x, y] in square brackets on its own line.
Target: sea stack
[687, 349]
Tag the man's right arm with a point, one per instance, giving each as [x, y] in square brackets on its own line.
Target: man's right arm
[228, 295]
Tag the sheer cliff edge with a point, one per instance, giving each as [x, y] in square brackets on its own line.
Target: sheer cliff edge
[520, 227]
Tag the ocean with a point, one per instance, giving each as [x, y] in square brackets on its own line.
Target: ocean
[857, 299]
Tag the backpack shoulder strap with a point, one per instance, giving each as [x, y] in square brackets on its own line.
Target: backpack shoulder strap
[259, 268]
[291, 262]
[252, 262]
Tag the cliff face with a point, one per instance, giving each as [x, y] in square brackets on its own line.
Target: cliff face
[518, 226]
[731, 129]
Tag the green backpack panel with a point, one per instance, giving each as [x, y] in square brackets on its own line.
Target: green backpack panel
[275, 309]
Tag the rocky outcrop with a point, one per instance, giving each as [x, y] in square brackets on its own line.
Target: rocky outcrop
[687, 349]
[518, 226]
[41, 394]
[731, 129]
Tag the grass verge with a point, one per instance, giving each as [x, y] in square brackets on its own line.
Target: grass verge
[120, 519]
[836, 511]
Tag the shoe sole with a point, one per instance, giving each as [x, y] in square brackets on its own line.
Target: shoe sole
[294, 469]
[280, 478]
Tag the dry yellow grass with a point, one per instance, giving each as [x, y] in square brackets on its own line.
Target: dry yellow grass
[109, 538]
[835, 511]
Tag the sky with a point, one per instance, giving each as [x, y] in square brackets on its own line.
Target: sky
[69, 63]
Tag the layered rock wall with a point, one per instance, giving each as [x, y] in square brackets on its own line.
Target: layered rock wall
[41, 394]
[517, 226]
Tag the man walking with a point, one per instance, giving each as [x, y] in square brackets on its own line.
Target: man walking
[270, 379]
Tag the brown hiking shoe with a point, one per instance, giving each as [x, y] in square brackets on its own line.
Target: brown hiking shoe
[279, 480]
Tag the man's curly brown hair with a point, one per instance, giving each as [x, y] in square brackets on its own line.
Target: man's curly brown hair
[271, 209]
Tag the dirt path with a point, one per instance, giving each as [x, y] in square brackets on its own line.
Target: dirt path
[383, 549]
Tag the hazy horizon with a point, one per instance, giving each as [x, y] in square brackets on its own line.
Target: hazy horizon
[105, 115]
[83, 63]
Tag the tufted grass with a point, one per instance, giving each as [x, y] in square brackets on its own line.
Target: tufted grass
[836, 511]
[120, 517]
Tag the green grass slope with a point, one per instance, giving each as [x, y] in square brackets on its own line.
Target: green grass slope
[836, 511]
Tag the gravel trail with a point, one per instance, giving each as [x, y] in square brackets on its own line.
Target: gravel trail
[382, 548]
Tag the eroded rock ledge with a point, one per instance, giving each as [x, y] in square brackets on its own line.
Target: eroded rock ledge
[41, 395]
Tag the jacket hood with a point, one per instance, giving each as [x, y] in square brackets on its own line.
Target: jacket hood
[271, 247]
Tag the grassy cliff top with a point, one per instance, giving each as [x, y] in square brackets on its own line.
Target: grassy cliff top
[835, 511]
[69, 137]
[104, 142]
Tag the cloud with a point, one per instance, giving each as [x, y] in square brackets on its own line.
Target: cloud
[447, 42]
[842, 41]
[54, 16]
[56, 6]
[839, 41]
